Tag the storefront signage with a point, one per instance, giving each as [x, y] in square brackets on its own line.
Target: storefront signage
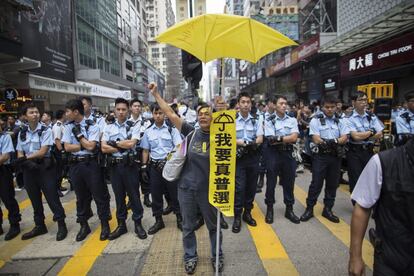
[389, 54]
[46, 84]
[106, 92]
[10, 94]
[330, 84]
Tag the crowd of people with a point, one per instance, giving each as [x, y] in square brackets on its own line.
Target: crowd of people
[129, 146]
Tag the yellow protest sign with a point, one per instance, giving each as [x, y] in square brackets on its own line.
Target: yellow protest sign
[223, 161]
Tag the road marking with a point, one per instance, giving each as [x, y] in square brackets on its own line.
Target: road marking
[22, 205]
[10, 248]
[340, 230]
[82, 261]
[271, 251]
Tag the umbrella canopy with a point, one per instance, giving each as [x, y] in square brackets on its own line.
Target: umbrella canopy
[212, 36]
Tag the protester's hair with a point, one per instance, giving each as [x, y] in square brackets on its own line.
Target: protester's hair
[243, 94]
[357, 95]
[201, 106]
[409, 95]
[277, 97]
[27, 107]
[121, 101]
[232, 103]
[155, 107]
[135, 100]
[59, 114]
[75, 104]
[86, 98]
[329, 100]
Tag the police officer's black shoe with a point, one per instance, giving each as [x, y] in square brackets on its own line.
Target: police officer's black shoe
[190, 266]
[158, 225]
[105, 230]
[179, 222]
[247, 217]
[119, 231]
[84, 231]
[13, 232]
[269, 214]
[36, 231]
[140, 231]
[290, 215]
[307, 215]
[167, 210]
[147, 201]
[1, 230]
[236, 224]
[223, 222]
[62, 231]
[328, 214]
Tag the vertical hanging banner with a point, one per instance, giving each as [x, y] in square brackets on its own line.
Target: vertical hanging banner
[223, 161]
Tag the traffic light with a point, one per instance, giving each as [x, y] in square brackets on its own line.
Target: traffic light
[192, 69]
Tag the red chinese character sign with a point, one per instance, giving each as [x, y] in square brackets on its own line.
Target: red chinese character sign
[223, 161]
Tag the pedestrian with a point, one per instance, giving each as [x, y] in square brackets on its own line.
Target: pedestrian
[119, 140]
[193, 185]
[249, 135]
[386, 184]
[80, 139]
[328, 135]
[58, 151]
[158, 141]
[39, 173]
[282, 133]
[365, 128]
[7, 194]
[405, 121]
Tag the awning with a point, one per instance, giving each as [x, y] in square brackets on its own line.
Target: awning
[23, 4]
[396, 20]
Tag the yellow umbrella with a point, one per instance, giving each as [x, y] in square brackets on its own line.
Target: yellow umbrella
[213, 36]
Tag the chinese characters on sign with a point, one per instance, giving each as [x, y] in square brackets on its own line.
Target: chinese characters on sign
[360, 62]
[223, 161]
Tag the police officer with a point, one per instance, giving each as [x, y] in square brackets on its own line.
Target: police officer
[141, 124]
[386, 183]
[364, 129]
[405, 121]
[80, 139]
[158, 141]
[39, 173]
[90, 115]
[7, 194]
[249, 136]
[58, 150]
[119, 140]
[328, 135]
[263, 115]
[281, 134]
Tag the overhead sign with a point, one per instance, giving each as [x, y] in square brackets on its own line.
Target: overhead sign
[46, 84]
[394, 52]
[10, 94]
[223, 161]
[106, 92]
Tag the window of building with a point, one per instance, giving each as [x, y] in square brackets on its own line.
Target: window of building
[129, 78]
[128, 65]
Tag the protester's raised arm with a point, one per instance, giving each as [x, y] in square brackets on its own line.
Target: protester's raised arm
[169, 112]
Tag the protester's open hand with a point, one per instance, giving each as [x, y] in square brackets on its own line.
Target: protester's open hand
[356, 267]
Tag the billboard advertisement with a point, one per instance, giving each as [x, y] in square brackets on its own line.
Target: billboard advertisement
[46, 33]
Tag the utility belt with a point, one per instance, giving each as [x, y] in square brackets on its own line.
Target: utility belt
[75, 159]
[246, 151]
[358, 147]
[282, 147]
[337, 150]
[158, 164]
[130, 160]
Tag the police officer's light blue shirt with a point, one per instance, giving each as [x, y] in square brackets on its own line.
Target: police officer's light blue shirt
[6, 145]
[120, 132]
[34, 141]
[361, 123]
[283, 126]
[92, 134]
[248, 128]
[268, 129]
[159, 141]
[332, 129]
[404, 127]
[99, 121]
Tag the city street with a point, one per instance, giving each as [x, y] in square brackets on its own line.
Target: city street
[317, 247]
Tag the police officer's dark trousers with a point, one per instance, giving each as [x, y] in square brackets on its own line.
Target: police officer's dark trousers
[247, 172]
[124, 179]
[158, 184]
[280, 163]
[87, 180]
[357, 158]
[325, 167]
[7, 195]
[39, 179]
[59, 169]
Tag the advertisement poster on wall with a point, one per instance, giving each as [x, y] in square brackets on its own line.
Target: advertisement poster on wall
[47, 37]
